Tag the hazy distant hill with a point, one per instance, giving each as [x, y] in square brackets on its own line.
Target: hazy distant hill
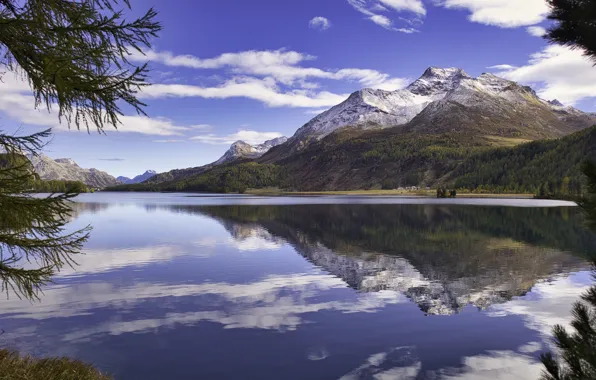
[68, 170]
[138, 179]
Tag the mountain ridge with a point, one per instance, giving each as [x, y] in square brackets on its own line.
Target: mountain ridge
[68, 170]
[238, 151]
[138, 179]
[416, 136]
[488, 95]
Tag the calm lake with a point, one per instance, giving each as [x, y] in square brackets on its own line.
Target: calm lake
[239, 287]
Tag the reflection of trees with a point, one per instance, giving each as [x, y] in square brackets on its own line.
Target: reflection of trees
[443, 257]
[87, 208]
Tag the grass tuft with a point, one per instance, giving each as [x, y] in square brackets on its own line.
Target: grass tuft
[20, 367]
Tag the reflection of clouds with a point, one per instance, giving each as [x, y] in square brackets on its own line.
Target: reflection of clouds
[255, 243]
[283, 313]
[103, 260]
[497, 365]
[399, 363]
[248, 243]
[549, 303]
[275, 302]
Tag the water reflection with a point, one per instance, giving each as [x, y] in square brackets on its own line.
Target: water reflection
[443, 258]
[320, 291]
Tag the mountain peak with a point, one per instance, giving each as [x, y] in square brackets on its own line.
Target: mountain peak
[242, 149]
[437, 81]
[555, 103]
[444, 73]
[68, 161]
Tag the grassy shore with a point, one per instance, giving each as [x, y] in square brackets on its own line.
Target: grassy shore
[20, 367]
[419, 193]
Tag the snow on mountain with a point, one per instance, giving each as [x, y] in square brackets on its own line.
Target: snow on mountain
[240, 149]
[68, 170]
[138, 179]
[237, 150]
[369, 108]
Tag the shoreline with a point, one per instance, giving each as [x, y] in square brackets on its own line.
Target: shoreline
[396, 193]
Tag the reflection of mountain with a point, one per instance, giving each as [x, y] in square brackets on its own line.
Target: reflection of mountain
[442, 257]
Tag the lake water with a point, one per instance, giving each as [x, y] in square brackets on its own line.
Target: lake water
[241, 287]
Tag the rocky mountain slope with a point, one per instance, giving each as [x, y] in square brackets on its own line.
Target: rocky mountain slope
[138, 179]
[237, 151]
[445, 100]
[240, 150]
[68, 170]
[417, 136]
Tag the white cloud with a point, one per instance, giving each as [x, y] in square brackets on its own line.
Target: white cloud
[280, 65]
[502, 67]
[371, 8]
[18, 104]
[320, 23]
[151, 126]
[502, 13]
[249, 137]
[264, 90]
[378, 8]
[563, 73]
[415, 6]
[168, 141]
[536, 31]
[381, 20]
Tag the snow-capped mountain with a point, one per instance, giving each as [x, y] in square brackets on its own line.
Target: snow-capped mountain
[237, 150]
[240, 149]
[68, 170]
[138, 179]
[370, 108]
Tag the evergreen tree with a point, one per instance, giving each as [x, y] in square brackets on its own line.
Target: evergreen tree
[73, 53]
[578, 349]
[575, 26]
[32, 229]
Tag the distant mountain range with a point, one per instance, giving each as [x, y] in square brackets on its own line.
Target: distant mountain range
[138, 179]
[67, 169]
[417, 136]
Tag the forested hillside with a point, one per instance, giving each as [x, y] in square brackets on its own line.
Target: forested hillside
[353, 159]
[549, 167]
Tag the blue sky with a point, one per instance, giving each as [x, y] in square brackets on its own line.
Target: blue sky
[225, 70]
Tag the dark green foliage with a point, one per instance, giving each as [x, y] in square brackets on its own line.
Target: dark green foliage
[444, 193]
[574, 25]
[74, 54]
[577, 349]
[390, 158]
[225, 179]
[18, 367]
[58, 186]
[32, 229]
[546, 168]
